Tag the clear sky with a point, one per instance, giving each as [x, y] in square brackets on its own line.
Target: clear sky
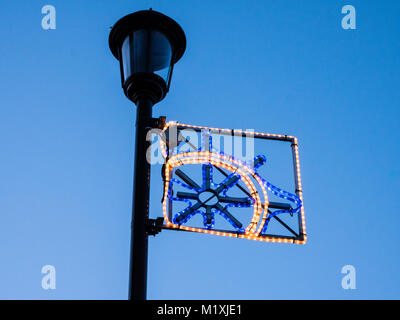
[286, 67]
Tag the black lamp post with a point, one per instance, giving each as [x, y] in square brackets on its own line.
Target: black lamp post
[147, 45]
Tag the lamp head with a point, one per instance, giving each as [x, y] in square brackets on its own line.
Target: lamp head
[147, 44]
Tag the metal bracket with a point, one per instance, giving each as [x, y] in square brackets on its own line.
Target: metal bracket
[158, 123]
[154, 226]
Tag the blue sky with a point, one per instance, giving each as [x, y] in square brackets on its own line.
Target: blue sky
[286, 67]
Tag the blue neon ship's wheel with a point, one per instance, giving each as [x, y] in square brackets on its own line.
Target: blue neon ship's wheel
[210, 198]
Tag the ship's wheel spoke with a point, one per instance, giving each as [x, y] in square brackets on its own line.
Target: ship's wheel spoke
[188, 211]
[187, 195]
[186, 179]
[207, 168]
[234, 200]
[209, 216]
[232, 219]
[228, 182]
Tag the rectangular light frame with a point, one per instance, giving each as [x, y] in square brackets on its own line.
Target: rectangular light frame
[302, 236]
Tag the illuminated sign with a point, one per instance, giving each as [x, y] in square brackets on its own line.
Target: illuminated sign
[240, 187]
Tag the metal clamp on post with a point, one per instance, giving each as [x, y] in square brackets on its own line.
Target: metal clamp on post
[158, 123]
[154, 226]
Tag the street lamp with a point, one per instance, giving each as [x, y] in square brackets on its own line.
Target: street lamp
[147, 44]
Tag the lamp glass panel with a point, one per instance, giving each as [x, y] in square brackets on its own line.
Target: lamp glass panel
[146, 51]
